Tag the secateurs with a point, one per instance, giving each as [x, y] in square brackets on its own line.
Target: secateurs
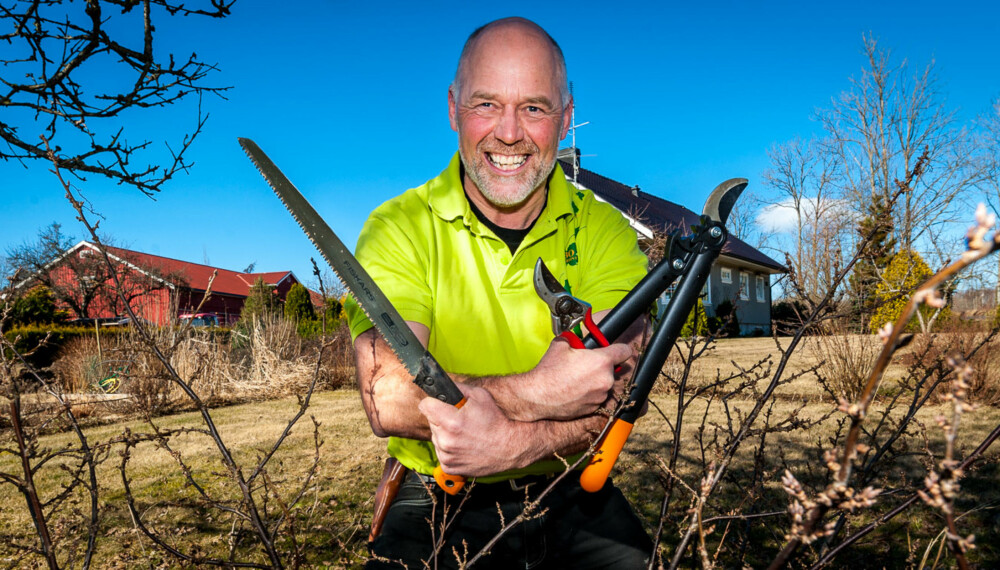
[568, 312]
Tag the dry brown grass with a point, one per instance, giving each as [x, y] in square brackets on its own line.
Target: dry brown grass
[833, 355]
[266, 360]
[350, 462]
[351, 457]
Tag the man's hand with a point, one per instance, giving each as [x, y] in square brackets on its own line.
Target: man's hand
[476, 439]
[569, 383]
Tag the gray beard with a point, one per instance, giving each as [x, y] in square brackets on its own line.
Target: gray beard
[481, 180]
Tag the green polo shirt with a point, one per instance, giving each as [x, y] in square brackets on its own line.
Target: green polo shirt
[442, 267]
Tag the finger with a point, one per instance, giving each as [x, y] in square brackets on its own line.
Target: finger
[435, 410]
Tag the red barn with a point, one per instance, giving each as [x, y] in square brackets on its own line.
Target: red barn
[159, 289]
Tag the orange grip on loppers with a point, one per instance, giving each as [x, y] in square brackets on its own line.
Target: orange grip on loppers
[596, 472]
[450, 484]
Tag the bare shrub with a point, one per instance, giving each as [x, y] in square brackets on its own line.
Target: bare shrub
[848, 359]
[983, 356]
[266, 359]
[78, 365]
[65, 515]
[337, 367]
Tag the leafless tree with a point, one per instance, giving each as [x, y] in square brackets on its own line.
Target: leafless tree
[803, 180]
[877, 130]
[53, 49]
[743, 221]
[990, 133]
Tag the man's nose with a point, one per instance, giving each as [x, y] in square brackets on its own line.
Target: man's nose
[508, 128]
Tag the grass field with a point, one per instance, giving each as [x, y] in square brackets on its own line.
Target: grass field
[333, 513]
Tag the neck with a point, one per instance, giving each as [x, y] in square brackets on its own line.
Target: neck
[514, 217]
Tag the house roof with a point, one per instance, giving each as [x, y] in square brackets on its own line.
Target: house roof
[194, 275]
[648, 212]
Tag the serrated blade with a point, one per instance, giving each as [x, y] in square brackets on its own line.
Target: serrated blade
[373, 302]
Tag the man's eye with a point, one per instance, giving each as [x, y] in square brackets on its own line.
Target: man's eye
[486, 105]
[534, 109]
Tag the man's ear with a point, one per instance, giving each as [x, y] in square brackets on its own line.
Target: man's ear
[567, 118]
[453, 109]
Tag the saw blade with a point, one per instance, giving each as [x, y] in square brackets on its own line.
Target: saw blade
[373, 302]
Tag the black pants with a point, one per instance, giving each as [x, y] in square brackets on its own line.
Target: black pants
[574, 529]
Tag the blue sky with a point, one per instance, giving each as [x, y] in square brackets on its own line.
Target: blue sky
[350, 101]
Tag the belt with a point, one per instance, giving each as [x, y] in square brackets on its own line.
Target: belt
[515, 484]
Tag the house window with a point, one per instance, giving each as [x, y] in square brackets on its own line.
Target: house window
[744, 286]
[760, 289]
[727, 275]
[706, 295]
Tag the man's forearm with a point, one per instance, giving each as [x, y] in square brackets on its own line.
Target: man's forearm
[562, 438]
[479, 439]
[388, 393]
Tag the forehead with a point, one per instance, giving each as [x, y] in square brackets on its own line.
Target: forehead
[511, 61]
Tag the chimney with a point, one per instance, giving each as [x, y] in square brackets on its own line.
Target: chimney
[635, 190]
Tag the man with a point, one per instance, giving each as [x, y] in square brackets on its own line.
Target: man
[455, 256]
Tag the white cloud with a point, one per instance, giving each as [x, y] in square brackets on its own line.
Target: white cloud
[781, 217]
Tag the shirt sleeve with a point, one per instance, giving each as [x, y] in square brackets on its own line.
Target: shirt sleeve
[399, 268]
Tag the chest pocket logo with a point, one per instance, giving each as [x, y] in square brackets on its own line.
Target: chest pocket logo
[571, 256]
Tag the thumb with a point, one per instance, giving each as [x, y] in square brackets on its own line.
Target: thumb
[618, 352]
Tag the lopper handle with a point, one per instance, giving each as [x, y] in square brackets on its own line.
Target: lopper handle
[450, 484]
[596, 472]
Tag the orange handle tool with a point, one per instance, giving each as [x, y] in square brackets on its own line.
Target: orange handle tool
[595, 474]
[450, 484]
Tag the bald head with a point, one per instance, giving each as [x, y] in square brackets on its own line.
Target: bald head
[508, 31]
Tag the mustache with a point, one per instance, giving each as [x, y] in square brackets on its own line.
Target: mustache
[520, 147]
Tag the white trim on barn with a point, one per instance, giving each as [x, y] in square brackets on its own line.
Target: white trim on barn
[59, 258]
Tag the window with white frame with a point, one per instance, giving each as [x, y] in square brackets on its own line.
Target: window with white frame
[726, 274]
[760, 289]
[744, 286]
[706, 294]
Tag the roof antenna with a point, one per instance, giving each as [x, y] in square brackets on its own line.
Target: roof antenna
[572, 131]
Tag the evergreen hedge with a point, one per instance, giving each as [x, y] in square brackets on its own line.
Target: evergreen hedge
[29, 338]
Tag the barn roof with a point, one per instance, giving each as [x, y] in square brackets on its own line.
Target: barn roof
[652, 212]
[195, 276]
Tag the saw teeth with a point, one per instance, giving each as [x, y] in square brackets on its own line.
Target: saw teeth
[329, 264]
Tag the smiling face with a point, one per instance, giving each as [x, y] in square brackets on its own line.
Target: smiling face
[508, 110]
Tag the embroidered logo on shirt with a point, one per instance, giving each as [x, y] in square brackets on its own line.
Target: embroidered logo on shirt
[571, 257]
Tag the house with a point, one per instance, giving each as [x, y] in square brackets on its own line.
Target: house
[741, 275]
[159, 289]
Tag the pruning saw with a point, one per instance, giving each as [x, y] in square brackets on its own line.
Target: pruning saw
[427, 373]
